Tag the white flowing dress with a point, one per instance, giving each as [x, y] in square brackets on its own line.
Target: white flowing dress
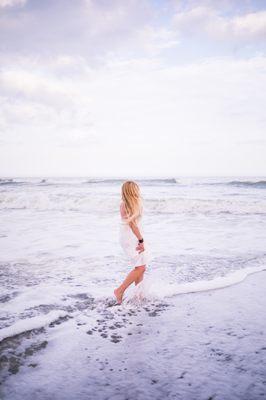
[129, 243]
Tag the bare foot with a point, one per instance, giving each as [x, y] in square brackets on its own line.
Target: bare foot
[118, 296]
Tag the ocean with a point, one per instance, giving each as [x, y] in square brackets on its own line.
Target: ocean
[61, 258]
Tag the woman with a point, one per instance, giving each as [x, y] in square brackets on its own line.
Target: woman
[131, 238]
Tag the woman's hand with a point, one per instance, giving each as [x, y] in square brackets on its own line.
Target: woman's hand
[140, 247]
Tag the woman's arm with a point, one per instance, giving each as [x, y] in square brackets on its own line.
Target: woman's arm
[134, 227]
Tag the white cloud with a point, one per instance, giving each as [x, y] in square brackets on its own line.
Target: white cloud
[94, 85]
[12, 3]
[189, 119]
[154, 40]
[92, 29]
[208, 20]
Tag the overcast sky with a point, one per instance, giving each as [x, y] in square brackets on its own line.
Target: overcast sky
[132, 87]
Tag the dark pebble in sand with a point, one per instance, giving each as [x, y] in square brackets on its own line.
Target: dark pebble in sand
[228, 357]
[116, 338]
[129, 333]
[153, 314]
[182, 375]
[33, 365]
[118, 325]
[153, 381]
[89, 332]
[104, 335]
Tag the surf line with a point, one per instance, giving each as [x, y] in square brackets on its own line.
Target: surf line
[220, 282]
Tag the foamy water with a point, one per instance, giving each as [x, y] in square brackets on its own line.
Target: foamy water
[60, 256]
[59, 237]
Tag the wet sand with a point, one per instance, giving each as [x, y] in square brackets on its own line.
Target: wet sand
[206, 345]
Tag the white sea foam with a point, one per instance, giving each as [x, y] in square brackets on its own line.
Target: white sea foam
[157, 289]
[33, 297]
[84, 202]
[60, 256]
[28, 324]
[59, 241]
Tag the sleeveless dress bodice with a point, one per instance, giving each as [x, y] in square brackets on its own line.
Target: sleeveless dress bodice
[129, 243]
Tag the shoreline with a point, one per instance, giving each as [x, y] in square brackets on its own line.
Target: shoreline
[204, 345]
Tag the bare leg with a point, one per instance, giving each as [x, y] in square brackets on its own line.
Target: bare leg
[134, 275]
[139, 279]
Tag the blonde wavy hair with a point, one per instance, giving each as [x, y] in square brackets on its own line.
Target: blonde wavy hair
[132, 199]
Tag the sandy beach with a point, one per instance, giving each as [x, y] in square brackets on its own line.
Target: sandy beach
[206, 345]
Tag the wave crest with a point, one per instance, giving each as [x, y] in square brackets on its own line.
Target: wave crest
[80, 202]
[256, 184]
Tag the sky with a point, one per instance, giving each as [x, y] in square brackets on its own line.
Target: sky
[132, 87]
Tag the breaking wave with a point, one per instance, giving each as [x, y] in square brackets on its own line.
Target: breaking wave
[82, 202]
[241, 184]
[258, 184]
[81, 181]
[9, 182]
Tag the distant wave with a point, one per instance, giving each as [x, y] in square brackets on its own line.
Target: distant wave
[258, 184]
[80, 181]
[247, 184]
[143, 181]
[10, 182]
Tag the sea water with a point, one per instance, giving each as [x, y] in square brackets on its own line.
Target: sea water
[59, 237]
[60, 255]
